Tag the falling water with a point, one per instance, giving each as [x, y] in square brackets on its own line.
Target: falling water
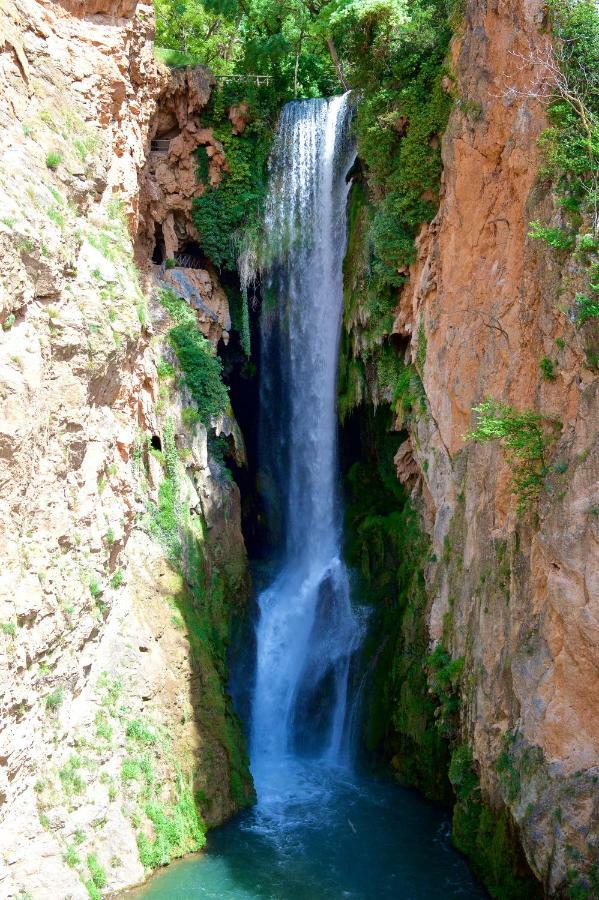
[319, 829]
[307, 630]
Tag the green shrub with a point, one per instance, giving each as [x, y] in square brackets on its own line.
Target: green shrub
[554, 237]
[117, 579]
[165, 369]
[586, 308]
[170, 263]
[9, 321]
[201, 367]
[138, 768]
[54, 699]
[103, 728]
[56, 215]
[202, 371]
[190, 416]
[70, 776]
[176, 58]
[223, 212]
[53, 159]
[462, 773]
[95, 588]
[92, 890]
[526, 436]
[547, 367]
[9, 628]
[444, 676]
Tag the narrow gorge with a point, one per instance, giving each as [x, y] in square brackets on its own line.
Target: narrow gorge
[299, 449]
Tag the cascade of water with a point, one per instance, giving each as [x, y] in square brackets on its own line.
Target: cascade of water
[307, 630]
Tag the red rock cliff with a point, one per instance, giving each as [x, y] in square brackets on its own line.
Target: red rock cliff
[522, 597]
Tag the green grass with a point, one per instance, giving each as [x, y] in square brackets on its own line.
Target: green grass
[53, 159]
[71, 857]
[141, 732]
[178, 829]
[175, 58]
[97, 872]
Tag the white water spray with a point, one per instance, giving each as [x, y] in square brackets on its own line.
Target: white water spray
[307, 630]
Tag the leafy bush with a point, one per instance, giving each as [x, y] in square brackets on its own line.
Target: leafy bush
[54, 699]
[190, 416]
[526, 437]
[117, 579]
[222, 212]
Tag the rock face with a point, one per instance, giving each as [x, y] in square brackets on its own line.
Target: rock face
[519, 598]
[111, 701]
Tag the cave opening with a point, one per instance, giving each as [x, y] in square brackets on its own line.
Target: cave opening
[155, 442]
[241, 375]
[159, 253]
[190, 256]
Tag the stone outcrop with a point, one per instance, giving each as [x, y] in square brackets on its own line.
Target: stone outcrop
[170, 180]
[518, 597]
[107, 694]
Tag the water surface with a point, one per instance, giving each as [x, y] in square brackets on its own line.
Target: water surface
[320, 834]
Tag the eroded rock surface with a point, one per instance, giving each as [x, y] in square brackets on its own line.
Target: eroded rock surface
[109, 698]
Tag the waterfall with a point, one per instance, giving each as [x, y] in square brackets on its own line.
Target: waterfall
[307, 631]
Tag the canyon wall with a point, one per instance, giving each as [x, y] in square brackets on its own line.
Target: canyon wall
[517, 597]
[118, 746]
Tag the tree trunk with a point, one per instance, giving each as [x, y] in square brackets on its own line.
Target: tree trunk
[337, 64]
